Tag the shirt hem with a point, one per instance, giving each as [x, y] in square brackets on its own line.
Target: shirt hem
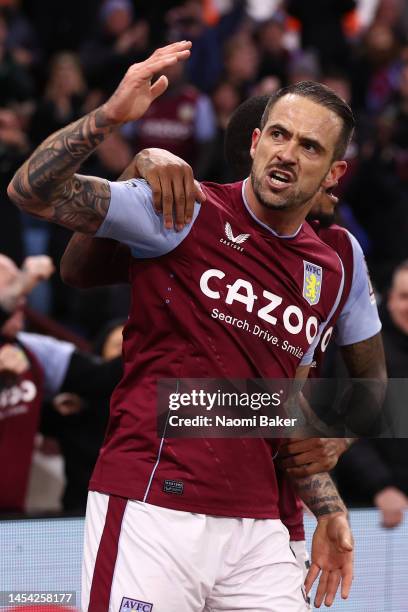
[185, 506]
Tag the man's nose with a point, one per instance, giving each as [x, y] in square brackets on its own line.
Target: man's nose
[287, 154]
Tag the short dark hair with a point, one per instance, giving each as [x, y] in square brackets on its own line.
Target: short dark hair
[238, 135]
[323, 95]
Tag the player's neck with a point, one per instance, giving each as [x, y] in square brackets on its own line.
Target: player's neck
[282, 222]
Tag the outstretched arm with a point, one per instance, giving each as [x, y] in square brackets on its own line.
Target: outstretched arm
[47, 186]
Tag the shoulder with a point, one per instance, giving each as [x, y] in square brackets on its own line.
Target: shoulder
[317, 248]
[229, 192]
[342, 241]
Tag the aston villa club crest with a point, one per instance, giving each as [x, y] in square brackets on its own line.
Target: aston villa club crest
[127, 605]
[312, 282]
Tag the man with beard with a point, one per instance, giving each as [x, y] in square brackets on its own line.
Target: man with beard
[188, 495]
[88, 262]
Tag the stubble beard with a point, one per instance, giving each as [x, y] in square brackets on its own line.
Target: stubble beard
[292, 203]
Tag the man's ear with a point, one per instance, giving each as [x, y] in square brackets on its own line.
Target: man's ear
[254, 141]
[337, 169]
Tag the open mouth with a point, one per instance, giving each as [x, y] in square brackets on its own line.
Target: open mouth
[279, 178]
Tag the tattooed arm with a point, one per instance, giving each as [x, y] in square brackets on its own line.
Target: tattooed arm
[366, 359]
[332, 546]
[320, 495]
[47, 186]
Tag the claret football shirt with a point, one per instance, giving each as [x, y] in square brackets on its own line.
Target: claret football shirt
[225, 298]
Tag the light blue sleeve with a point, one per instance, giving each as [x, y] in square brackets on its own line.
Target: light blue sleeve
[53, 355]
[132, 220]
[205, 122]
[359, 319]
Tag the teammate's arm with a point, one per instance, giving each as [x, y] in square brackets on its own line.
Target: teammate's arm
[366, 359]
[94, 262]
[307, 456]
[47, 186]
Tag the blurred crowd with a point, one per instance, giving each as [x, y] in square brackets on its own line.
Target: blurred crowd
[61, 60]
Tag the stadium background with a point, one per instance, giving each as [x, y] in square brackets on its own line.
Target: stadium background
[59, 60]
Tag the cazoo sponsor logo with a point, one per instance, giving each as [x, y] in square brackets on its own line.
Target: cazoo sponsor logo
[264, 306]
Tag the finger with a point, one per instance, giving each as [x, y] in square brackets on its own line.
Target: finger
[200, 195]
[167, 201]
[346, 578]
[180, 45]
[129, 172]
[153, 179]
[321, 588]
[152, 66]
[179, 195]
[159, 86]
[299, 446]
[332, 587]
[312, 574]
[192, 193]
[298, 460]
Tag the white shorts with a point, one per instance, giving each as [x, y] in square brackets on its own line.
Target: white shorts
[146, 558]
[302, 556]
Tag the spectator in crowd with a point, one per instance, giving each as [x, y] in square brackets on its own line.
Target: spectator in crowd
[14, 146]
[225, 99]
[64, 99]
[241, 61]
[322, 29]
[34, 367]
[375, 471]
[16, 85]
[395, 324]
[119, 42]
[274, 56]
[22, 40]
[79, 424]
[375, 71]
[187, 22]
[181, 121]
[21, 384]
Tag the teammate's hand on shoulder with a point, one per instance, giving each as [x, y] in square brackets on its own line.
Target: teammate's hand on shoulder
[308, 456]
[392, 503]
[13, 362]
[136, 92]
[173, 185]
[331, 559]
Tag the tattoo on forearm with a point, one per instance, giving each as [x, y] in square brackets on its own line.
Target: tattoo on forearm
[47, 182]
[320, 495]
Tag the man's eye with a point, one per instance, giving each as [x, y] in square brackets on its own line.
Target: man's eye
[276, 134]
[309, 147]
